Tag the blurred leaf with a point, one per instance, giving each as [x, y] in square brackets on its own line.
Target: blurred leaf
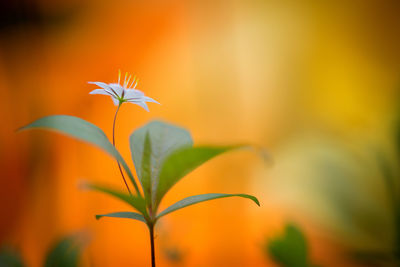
[135, 201]
[164, 139]
[201, 198]
[374, 258]
[396, 131]
[123, 214]
[10, 258]
[81, 130]
[290, 250]
[388, 174]
[174, 254]
[183, 161]
[64, 253]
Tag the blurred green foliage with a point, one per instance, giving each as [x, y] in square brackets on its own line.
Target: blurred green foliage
[290, 249]
[63, 253]
[10, 258]
[350, 187]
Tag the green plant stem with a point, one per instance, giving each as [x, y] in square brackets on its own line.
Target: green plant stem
[153, 257]
[119, 165]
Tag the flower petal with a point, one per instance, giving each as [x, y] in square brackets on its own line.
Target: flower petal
[100, 84]
[138, 92]
[148, 99]
[117, 89]
[142, 104]
[116, 101]
[99, 92]
[130, 93]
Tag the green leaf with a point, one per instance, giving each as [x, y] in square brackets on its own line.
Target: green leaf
[290, 250]
[146, 170]
[201, 198]
[136, 202]
[123, 214]
[10, 258]
[164, 139]
[65, 253]
[81, 130]
[183, 161]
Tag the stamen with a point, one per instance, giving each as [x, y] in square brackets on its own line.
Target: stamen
[136, 83]
[134, 79]
[119, 76]
[127, 82]
[126, 75]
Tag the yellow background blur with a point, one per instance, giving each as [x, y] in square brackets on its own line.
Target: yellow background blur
[269, 73]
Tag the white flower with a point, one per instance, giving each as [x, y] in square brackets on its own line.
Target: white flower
[123, 93]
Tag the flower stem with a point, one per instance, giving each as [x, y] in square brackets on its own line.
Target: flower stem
[153, 257]
[119, 165]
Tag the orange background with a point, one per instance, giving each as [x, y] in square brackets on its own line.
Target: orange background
[258, 72]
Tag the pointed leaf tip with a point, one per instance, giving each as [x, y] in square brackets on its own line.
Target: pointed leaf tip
[182, 161]
[201, 198]
[123, 215]
[136, 202]
[81, 130]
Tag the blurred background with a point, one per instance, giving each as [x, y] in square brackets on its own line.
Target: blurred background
[315, 82]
